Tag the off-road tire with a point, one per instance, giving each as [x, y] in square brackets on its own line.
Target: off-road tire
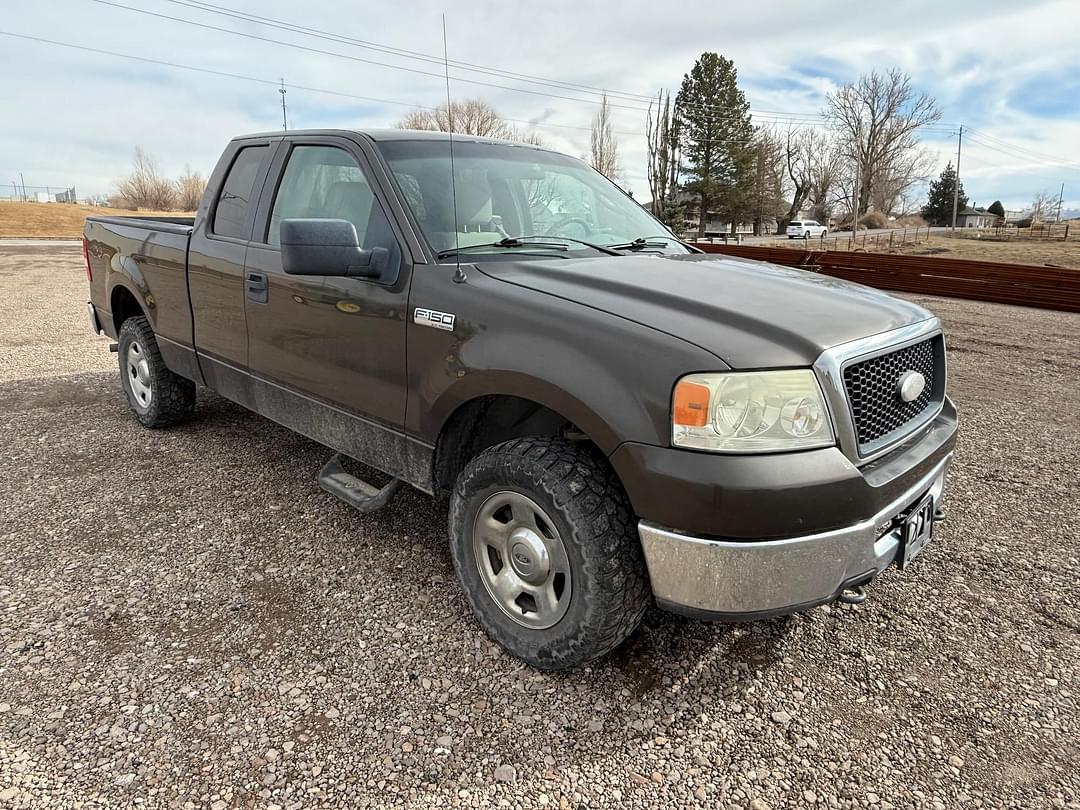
[173, 397]
[575, 486]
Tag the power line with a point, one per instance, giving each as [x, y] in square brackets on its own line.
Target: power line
[1018, 153]
[351, 58]
[307, 88]
[213, 8]
[402, 52]
[721, 112]
[212, 72]
[1024, 149]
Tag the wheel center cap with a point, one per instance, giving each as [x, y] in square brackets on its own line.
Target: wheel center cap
[528, 555]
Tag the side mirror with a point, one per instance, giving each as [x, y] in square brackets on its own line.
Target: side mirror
[328, 247]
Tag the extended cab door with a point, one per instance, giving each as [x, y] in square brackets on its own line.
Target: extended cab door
[216, 256]
[327, 354]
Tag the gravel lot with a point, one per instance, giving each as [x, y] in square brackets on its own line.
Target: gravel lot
[187, 620]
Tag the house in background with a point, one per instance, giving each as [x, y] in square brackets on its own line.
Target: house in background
[975, 218]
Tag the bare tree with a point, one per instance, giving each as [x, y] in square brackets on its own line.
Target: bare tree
[812, 163]
[473, 116]
[768, 177]
[1042, 206]
[899, 180]
[662, 144]
[824, 180]
[145, 187]
[878, 118]
[804, 151]
[531, 138]
[603, 147]
[189, 189]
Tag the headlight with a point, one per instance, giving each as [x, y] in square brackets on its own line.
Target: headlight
[750, 412]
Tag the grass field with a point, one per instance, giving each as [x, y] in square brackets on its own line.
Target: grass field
[1063, 253]
[57, 220]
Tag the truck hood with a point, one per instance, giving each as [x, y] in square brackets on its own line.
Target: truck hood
[749, 314]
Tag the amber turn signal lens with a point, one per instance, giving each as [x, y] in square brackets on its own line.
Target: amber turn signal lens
[691, 404]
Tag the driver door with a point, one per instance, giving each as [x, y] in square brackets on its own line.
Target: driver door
[327, 354]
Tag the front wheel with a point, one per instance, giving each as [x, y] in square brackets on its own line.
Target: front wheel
[545, 547]
[158, 397]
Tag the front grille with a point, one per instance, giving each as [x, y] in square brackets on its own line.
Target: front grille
[879, 415]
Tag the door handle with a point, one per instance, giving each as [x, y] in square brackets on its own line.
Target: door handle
[257, 287]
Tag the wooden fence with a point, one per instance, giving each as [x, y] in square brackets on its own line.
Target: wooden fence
[1025, 285]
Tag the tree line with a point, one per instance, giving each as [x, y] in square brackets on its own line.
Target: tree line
[711, 165]
[708, 161]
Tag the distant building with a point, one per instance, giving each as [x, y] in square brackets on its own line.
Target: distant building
[715, 225]
[975, 218]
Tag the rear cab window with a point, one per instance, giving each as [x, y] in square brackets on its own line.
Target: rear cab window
[231, 210]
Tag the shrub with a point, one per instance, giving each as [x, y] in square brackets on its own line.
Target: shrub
[874, 219]
[910, 221]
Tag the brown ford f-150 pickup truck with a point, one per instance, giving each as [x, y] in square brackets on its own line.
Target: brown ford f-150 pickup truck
[616, 417]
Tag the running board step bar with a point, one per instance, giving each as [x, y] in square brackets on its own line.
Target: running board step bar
[357, 493]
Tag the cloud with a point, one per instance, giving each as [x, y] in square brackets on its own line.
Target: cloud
[72, 117]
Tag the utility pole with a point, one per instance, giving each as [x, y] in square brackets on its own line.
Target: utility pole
[22, 183]
[284, 120]
[1061, 200]
[956, 185]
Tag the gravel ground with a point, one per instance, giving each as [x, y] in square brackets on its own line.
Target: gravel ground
[187, 620]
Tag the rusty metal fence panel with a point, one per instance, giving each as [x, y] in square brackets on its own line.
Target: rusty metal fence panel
[1032, 286]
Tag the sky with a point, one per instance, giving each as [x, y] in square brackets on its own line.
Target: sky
[1009, 72]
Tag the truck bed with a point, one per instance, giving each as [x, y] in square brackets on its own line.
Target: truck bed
[170, 224]
[141, 262]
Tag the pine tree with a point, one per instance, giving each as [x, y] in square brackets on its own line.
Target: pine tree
[714, 121]
[939, 199]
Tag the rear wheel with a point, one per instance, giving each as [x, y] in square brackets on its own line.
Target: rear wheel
[545, 546]
[158, 397]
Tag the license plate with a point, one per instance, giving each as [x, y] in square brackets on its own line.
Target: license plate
[918, 530]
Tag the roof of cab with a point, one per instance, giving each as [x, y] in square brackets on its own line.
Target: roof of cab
[382, 135]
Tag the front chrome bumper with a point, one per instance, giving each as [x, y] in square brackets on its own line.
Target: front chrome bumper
[743, 580]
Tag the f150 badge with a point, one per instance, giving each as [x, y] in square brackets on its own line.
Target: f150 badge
[437, 320]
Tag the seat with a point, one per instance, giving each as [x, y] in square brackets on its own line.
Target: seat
[475, 223]
[351, 200]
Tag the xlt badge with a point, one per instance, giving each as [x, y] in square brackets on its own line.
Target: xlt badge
[438, 320]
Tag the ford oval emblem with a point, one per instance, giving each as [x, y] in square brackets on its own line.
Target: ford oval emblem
[910, 386]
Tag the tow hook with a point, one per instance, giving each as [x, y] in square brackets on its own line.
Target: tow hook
[854, 595]
[939, 515]
[114, 347]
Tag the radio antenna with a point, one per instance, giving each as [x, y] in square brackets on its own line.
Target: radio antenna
[459, 274]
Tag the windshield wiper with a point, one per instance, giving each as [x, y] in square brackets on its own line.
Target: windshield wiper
[508, 242]
[528, 241]
[603, 249]
[643, 242]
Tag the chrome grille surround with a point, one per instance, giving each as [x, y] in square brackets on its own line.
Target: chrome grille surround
[833, 362]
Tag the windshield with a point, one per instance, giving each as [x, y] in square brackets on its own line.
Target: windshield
[506, 193]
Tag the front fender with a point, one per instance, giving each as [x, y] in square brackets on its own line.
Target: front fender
[610, 376]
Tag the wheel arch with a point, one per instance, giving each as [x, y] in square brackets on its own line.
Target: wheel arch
[124, 304]
[473, 423]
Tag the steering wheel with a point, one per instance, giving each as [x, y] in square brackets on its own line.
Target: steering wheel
[562, 222]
